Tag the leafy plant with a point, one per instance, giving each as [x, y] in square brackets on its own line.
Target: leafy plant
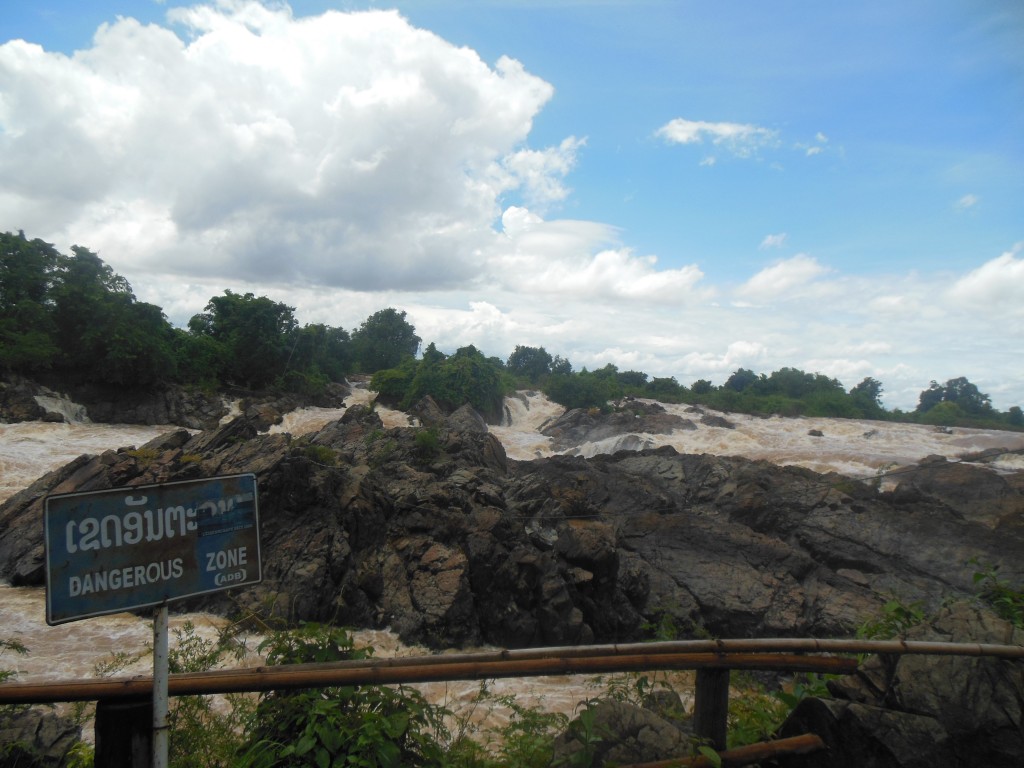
[201, 733]
[587, 732]
[321, 454]
[526, 740]
[428, 446]
[369, 725]
[145, 456]
[754, 716]
[15, 647]
[756, 713]
[662, 630]
[1006, 600]
[896, 618]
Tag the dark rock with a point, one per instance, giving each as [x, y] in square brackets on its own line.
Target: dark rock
[815, 433]
[920, 710]
[187, 407]
[18, 402]
[429, 413]
[620, 733]
[36, 738]
[710, 420]
[263, 416]
[583, 425]
[466, 419]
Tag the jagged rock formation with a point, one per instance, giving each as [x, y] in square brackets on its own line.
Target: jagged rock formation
[36, 737]
[433, 532]
[633, 417]
[941, 711]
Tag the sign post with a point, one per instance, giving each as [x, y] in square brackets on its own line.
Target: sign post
[160, 673]
[127, 548]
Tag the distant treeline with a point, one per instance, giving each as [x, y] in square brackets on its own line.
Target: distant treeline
[73, 319]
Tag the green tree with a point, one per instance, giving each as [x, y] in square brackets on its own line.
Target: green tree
[702, 387]
[867, 397]
[254, 332]
[958, 391]
[741, 379]
[383, 340]
[796, 384]
[633, 379]
[321, 349]
[664, 386]
[1015, 417]
[581, 390]
[561, 366]
[465, 377]
[104, 334]
[531, 363]
[28, 270]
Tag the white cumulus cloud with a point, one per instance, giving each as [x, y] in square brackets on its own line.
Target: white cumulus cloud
[996, 284]
[786, 279]
[348, 149]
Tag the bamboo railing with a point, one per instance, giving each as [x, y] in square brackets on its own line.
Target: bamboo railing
[713, 659]
[783, 654]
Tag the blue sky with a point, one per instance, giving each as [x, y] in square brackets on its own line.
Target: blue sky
[683, 188]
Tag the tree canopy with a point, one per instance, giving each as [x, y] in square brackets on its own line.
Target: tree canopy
[73, 319]
[383, 340]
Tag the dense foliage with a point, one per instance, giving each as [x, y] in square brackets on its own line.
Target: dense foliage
[465, 377]
[352, 725]
[72, 319]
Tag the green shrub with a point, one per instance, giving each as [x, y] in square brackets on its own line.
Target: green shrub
[321, 454]
[428, 445]
[145, 456]
[1006, 600]
[894, 621]
[365, 725]
[201, 734]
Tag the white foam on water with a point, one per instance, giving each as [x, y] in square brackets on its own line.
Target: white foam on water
[30, 449]
[519, 432]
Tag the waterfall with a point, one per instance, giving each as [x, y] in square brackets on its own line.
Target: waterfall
[71, 412]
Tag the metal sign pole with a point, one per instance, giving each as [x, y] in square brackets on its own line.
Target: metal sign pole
[160, 671]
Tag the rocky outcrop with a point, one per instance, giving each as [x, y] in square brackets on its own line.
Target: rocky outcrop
[611, 732]
[434, 532]
[36, 738]
[23, 400]
[591, 425]
[944, 711]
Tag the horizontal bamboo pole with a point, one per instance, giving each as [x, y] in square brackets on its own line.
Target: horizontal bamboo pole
[685, 654]
[752, 753]
[411, 671]
[777, 644]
